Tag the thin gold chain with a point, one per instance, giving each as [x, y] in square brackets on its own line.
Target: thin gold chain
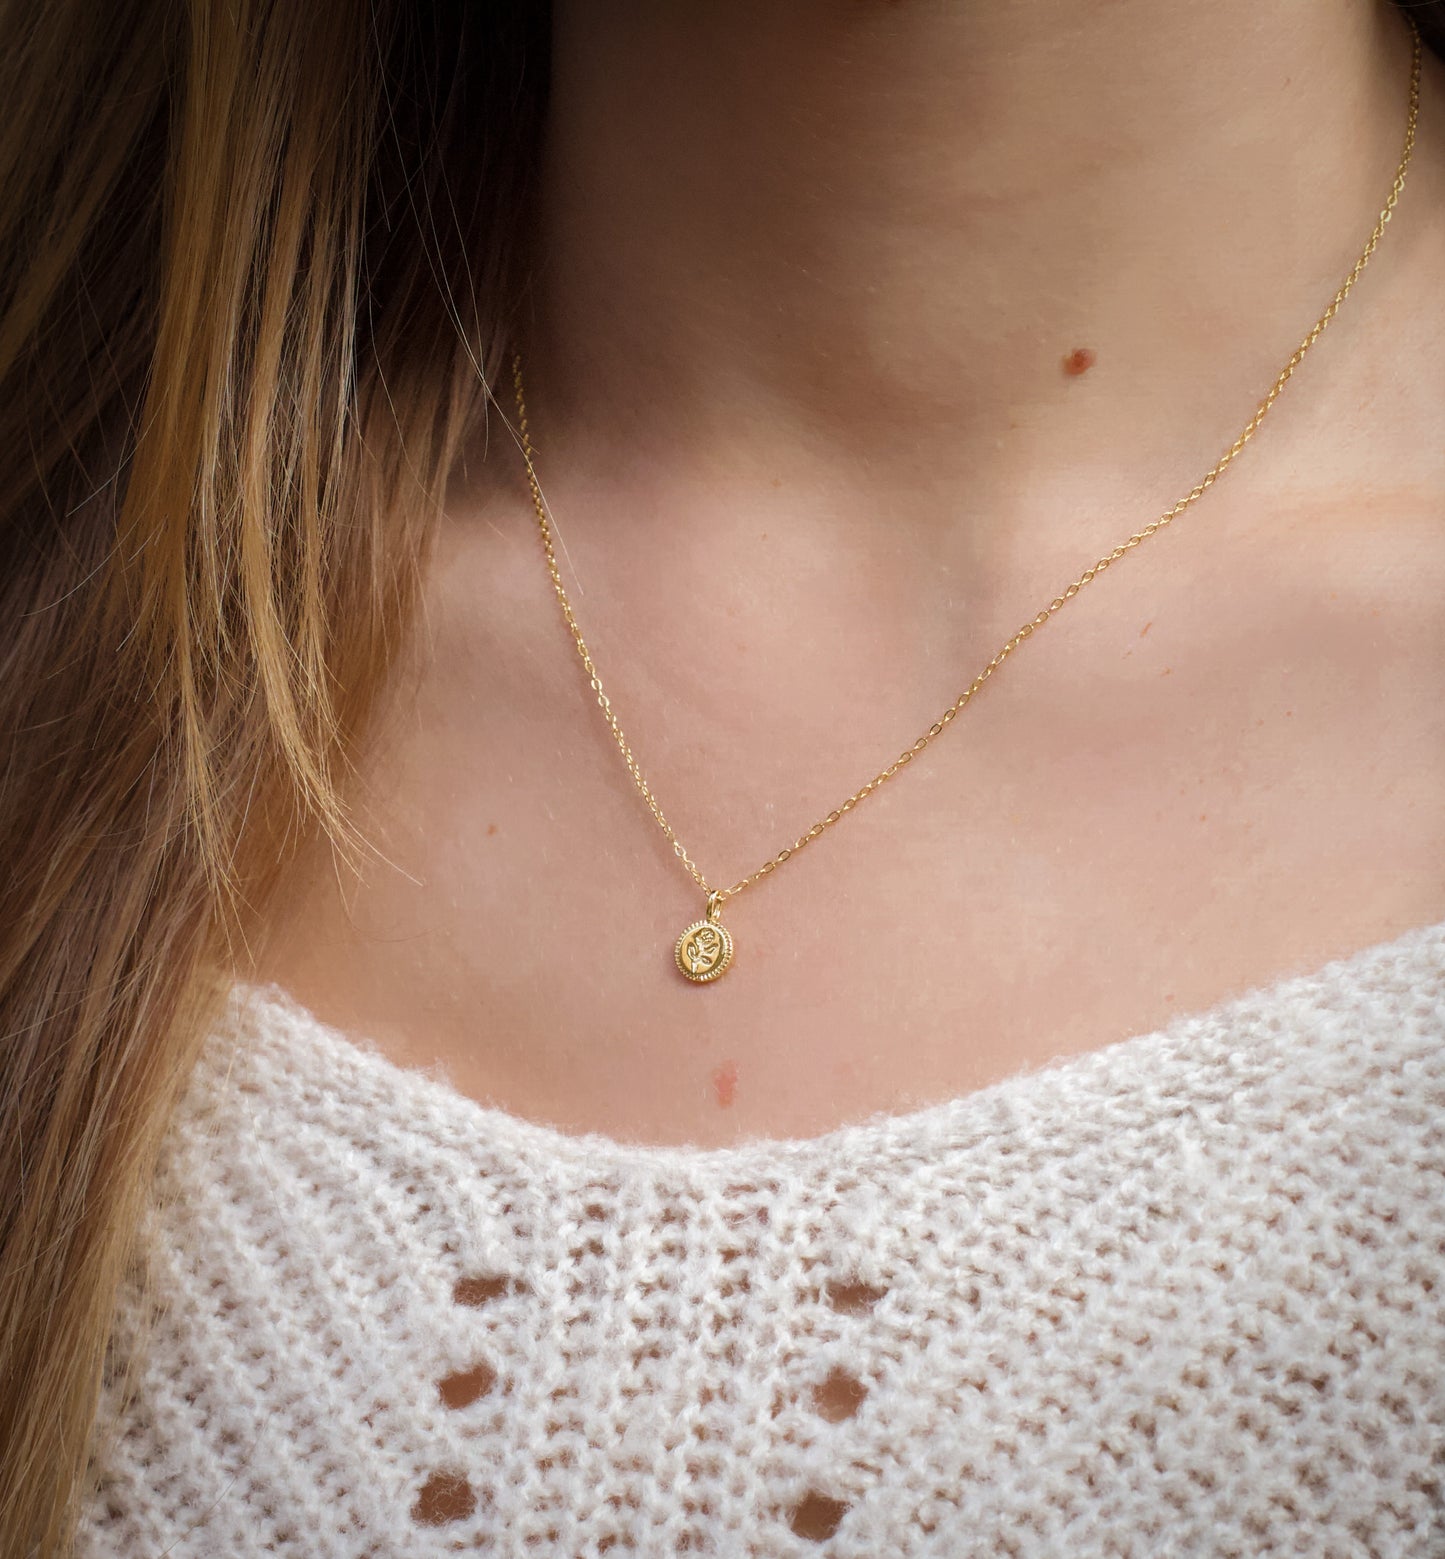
[718, 896]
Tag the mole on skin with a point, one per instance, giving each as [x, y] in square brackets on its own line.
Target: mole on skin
[1079, 361]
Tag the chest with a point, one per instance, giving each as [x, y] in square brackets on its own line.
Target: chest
[1168, 801]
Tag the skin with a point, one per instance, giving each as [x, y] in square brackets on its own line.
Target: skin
[803, 369]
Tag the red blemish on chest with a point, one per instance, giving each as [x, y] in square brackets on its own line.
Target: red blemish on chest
[491, 828]
[1079, 361]
[725, 1083]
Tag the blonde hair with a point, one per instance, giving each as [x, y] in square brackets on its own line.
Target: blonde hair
[256, 256]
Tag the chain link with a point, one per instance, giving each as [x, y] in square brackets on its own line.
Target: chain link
[718, 896]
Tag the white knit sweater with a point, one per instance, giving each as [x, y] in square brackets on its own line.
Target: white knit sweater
[1181, 1297]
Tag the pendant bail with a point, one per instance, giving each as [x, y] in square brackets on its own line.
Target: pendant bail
[714, 906]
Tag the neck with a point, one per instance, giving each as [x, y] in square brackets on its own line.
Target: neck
[853, 226]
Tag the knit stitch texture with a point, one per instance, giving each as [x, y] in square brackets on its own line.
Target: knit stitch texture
[1183, 1296]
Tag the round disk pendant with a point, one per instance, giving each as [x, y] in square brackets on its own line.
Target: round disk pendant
[705, 949]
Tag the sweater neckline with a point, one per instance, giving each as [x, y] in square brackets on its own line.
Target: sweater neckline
[298, 1043]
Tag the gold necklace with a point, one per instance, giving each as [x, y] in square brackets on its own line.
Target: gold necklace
[704, 951]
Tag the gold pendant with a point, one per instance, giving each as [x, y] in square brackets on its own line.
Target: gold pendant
[705, 950]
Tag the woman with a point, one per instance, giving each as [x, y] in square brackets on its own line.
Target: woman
[408, 1144]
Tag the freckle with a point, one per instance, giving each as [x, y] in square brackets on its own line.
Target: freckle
[491, 828]
[1203, 817]
[1147, 626]
[1168, 995]
[1079, 361]
[725, 1083]
[1167, 671]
